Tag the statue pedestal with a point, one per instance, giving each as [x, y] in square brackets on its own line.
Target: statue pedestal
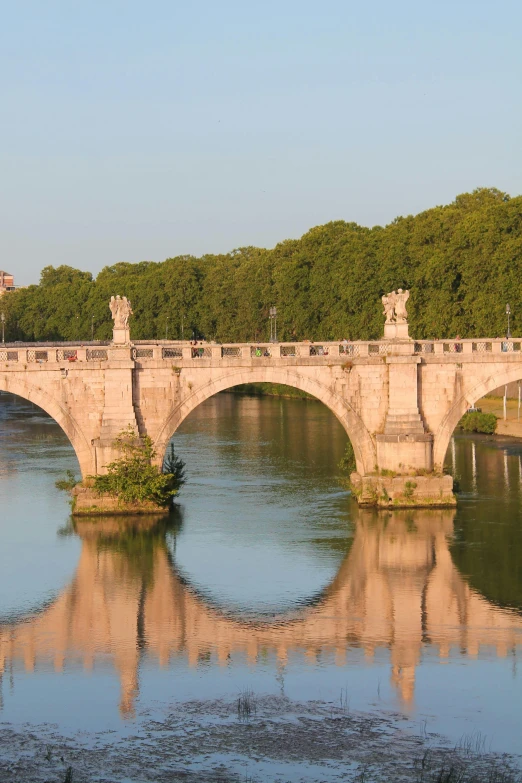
[121, 335]
[394, 331]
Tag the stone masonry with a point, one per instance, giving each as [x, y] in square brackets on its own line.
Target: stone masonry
[399, 400]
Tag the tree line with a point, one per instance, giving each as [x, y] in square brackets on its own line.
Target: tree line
[462, 263]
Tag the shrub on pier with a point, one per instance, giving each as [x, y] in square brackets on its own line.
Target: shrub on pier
[133, 478]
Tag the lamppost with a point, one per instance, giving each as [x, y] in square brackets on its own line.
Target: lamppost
[2, 318]
[508, 313]
[92, 328]
[166, 328]
[273, 324]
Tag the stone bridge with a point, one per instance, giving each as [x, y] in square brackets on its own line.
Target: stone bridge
[399, 400]
[397, 589]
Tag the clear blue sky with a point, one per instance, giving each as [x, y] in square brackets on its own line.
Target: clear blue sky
[139, 130]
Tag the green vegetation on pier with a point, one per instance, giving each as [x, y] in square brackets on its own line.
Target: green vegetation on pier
[133, 478]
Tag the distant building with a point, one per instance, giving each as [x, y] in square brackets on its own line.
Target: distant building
[6, 282]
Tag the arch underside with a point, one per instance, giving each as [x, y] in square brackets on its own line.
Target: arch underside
[352, 423]
[28, 391]
[465, 401]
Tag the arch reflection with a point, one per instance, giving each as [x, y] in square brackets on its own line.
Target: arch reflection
[396, 589]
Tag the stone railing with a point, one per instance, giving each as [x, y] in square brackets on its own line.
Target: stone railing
[322, 352]
[513, 345]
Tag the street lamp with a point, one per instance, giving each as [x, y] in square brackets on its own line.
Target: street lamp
[166, 328]
[92, 328]
[508, 313]
[2, 318]
[272, 314]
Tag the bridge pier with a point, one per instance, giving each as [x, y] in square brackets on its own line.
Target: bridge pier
[118, 405]
[404, 470]
[404, 444]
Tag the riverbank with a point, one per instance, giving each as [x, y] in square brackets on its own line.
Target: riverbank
[270, 390]
[512, 426]
[251, 738]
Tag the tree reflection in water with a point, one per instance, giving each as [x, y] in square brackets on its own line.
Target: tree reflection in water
[396, 589]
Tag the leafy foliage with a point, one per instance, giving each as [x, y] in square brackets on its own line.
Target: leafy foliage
[68, 483]
[134, 479]
[479, 422]
[462, 261]
[347, 462]
[272, 390]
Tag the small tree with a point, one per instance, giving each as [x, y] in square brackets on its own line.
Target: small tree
[174, 466]
[134, 479]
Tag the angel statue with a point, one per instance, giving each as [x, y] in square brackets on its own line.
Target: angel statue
[401, 316]
[388, 301]
[395, 306]
[121, 311]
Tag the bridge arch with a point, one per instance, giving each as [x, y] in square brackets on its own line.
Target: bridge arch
[28, 391]
[466, 400]
[352, 423]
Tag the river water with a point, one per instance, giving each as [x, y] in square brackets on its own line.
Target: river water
[267, 579]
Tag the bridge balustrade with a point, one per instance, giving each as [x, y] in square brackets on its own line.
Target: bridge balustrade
[66, 354]
[96, 355]
[142, 353]
[143, 350]
[231, 352]
[259, 351]
[201, 352]
[381, 349]
[37, 356]
[349, 349]
[508, 346]
[422, 347]
[175, 352]
[8, 356]
[319, 350]
[290, 350]
[455, 347]
[481, 347]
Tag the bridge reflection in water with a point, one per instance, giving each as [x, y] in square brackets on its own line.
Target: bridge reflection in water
[396, 589]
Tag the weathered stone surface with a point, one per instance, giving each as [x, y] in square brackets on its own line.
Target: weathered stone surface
[87, 502]
[404, 491]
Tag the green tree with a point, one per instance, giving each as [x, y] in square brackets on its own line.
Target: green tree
[462, 261]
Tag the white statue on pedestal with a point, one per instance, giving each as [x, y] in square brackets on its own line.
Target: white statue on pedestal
[396, 326]
[401, 316]
[395, 306]
[388, 301]
[121, 311]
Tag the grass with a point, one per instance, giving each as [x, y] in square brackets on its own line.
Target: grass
[470, 761]
[246, 704]
[344, 700]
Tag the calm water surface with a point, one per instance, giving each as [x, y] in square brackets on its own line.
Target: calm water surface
[268, 577]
